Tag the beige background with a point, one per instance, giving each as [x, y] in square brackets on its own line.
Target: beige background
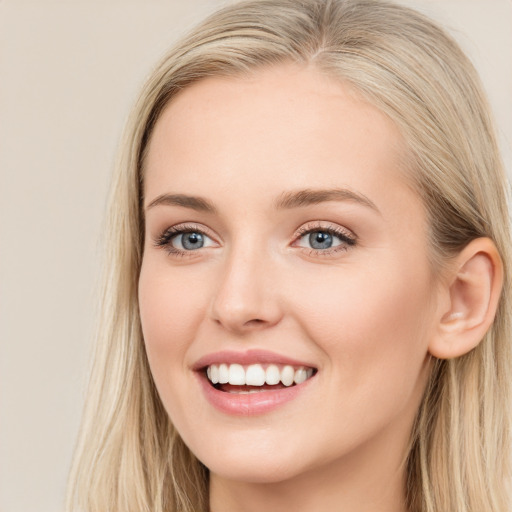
[69, 70]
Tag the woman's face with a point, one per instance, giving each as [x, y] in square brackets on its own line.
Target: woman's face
[283, 239]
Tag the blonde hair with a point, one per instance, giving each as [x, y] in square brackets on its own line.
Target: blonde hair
[129, 457]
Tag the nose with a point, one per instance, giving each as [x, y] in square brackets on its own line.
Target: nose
[247, 294]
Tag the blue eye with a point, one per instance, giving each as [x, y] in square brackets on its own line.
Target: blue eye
[324, 239]
[188, 241]
[320, 240]
[180, 240]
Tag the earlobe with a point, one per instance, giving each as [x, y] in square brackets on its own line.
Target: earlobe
[473, 290]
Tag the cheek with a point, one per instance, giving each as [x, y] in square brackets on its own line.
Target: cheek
[373, 327]
[372, 331]
[170, 303]
[171, 311]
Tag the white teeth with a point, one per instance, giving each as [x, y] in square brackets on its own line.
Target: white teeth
[257, 375]
[300, 376]
[273, 375]
[214, 374]
[236, 375]
[223, 374]
[287, 375]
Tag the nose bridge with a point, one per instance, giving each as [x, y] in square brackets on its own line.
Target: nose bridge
[245, 297]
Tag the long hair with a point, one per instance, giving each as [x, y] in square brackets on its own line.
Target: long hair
[129, 458]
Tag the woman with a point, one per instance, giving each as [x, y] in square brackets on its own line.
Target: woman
[307, 296]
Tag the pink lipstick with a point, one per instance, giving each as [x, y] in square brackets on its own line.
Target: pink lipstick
[252, 382]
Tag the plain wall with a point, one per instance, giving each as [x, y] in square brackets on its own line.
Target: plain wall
[69, 71]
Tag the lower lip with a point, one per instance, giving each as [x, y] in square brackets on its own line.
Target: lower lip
[251, 404]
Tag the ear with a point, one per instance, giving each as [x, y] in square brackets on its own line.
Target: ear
[472, 291]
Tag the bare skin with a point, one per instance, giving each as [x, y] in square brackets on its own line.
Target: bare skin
[362, 312]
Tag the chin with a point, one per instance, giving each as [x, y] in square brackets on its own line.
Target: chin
[264, 464]
[266, 472]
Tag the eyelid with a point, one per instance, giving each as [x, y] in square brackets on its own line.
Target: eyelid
[326, 226]
[163, 240]
[348, 238]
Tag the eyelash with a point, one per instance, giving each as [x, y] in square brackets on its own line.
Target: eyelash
[347, 239]
[164, 240]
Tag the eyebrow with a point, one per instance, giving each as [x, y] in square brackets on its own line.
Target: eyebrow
[287, 200]
[308, 197]
[194, 203]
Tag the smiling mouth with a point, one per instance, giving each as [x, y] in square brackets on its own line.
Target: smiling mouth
[254, 378]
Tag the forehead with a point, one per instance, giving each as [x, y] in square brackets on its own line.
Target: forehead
[285, 127]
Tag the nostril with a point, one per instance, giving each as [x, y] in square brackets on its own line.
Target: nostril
[255, 321]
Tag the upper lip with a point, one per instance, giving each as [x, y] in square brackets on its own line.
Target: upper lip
[248, 357]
